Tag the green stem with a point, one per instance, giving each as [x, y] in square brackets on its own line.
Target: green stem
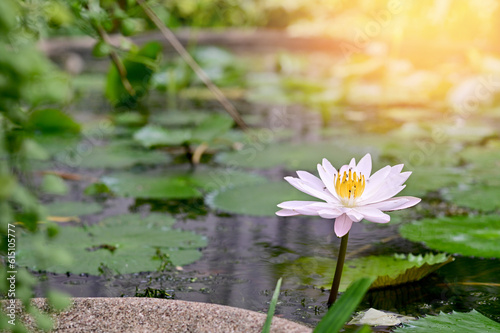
[338, 270]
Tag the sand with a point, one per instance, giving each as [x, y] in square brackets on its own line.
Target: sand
[133, 314]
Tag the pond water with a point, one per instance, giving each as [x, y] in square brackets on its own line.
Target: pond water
[245, 255]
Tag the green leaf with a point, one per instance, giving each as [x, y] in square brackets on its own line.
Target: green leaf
[291, 156]
[35, 151]
[58, 300]
[272, 306]
[52, 121]
[471, 322]
[73, 208]
[96, 189]
[53, 184]
[120, 154]
[481, 197]
[176, 184]
[8, 14]
[342, 309]
[9, 183]
[43, 321]
[387, 270]
[256, 199]
[130, 119]
[124, 244]
[151, 136]
[210, 128]
[139, 68]
[424, 179]
[466, 235]
[180, 117]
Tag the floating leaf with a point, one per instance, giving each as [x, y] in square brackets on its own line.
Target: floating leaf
[34, 151]
[53, 184]
[471, 322]
[477, 236]
[121, 154]
[484, 163]
[424, 179]
[131, 119]
[388, 270]
[73, 208]
[125, 244]
[179, 118]
[256, 199]
[176, 184]
[212, 127]
[481, 197]
[151, 136]
[291, 156]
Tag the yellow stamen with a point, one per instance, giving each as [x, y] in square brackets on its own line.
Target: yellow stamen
[350, 186]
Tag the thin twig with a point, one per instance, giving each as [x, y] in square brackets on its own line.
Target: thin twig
[122, 71]
[172, 39]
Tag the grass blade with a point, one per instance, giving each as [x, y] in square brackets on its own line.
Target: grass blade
[272, 307]
[343, 308]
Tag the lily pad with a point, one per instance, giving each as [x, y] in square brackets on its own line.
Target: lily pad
[255, 199]
[388, 270]
[179, 118]
[484, 163]
[53, 184]
[73, 208]
[177, 184]
[481, 197]
[210, 128]
[292, 156]
[151, 136]
[471, 322]
[425, 178]
[121, 154]
[124, 244]
[477, 236]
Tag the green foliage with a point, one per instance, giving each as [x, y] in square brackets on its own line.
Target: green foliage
[52, 121]
[72, 208]
[342, 309]
[53, 184]
[176, 184]
[455, 322]
[477, 196]
[303, 156]
[139, 68]
[121, 154]
[125, 244]
[466, 235]
[208, 130]
[254, 199]
[272, 306]
[386, 270]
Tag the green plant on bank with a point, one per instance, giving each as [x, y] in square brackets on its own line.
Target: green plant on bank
[338, 314]
[28, 84]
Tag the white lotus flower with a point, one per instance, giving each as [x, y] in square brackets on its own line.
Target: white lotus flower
[350, 194]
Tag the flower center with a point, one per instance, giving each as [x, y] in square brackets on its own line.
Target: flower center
[350, 186]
